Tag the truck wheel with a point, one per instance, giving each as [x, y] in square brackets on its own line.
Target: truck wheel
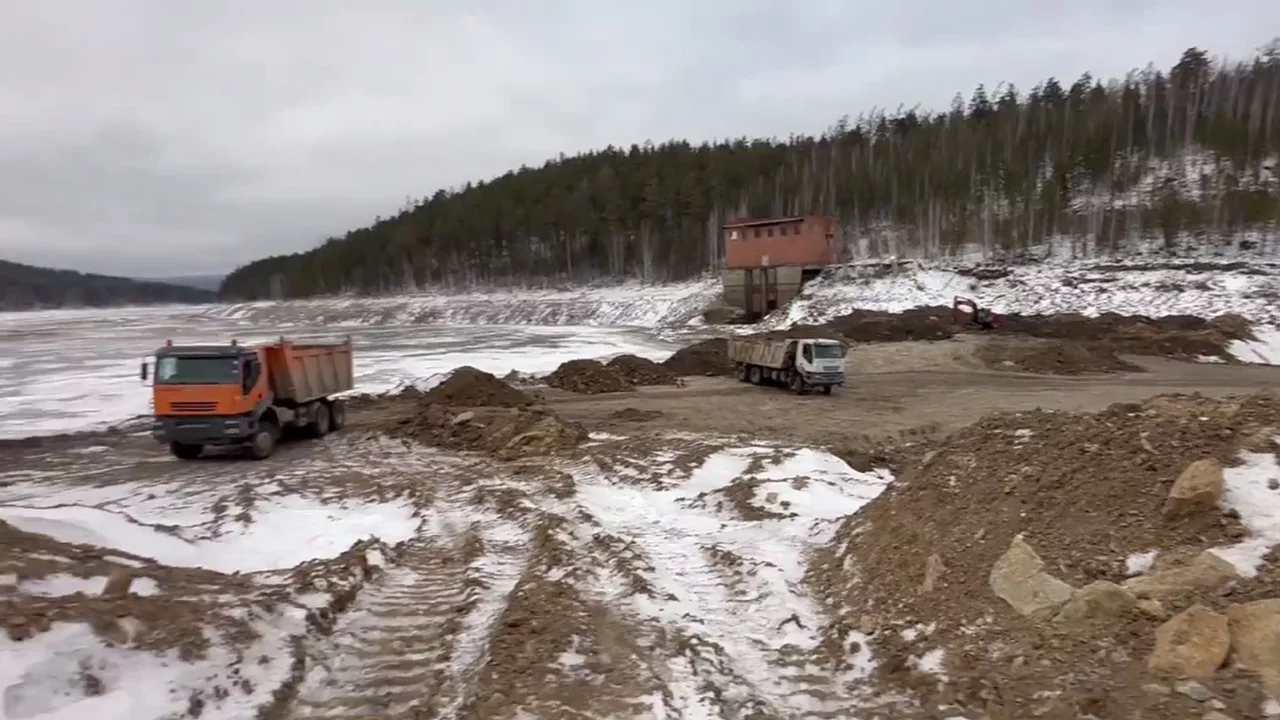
[742, 373]
[337, 415]
[263, 443]
[320, 425]
[183, 451]
[754, 375]
[797, 384]
[826, 389]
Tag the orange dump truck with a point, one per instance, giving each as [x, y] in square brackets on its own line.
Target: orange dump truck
[247, 396]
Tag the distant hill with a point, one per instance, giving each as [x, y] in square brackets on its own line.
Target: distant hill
[202, 282]
[25, 287]
[1183, 156]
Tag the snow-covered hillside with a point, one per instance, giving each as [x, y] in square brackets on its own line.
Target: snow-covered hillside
[1168, 287]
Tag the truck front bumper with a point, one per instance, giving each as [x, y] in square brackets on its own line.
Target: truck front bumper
[824, 378]
[203, 429]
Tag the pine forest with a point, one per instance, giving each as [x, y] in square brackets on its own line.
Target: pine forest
[1166, 155]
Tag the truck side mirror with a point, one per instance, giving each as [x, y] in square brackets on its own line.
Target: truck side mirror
[143, 371]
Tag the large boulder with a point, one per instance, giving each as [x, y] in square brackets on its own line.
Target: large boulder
[1255, 639]
[1197, 490]
[1206, 572]
[1096, 602]
[1193, 643]
[1019, 579]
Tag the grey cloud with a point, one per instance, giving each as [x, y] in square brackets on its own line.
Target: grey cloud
[153, 137]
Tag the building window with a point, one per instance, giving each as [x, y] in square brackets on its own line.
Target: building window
[733, 234]
[770, 232]
[757, 232]
[782, 230]
[798, 228]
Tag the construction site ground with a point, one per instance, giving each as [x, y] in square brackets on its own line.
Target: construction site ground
[666, 551]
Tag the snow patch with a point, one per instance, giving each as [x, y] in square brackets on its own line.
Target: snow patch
[1248, 491]
[1139, 563]
[286, 531]
[1265, 350]
[68, 673]
[62, 584]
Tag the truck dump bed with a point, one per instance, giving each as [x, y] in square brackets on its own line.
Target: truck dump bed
[755, 351]
[305, 372]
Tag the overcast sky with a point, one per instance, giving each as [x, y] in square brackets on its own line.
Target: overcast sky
[150, 138]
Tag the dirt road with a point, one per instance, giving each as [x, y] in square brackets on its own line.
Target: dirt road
[893, 390]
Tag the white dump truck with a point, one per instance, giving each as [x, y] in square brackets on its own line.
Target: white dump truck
[801, 364]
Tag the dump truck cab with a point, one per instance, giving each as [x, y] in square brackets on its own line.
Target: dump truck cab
[215, 395]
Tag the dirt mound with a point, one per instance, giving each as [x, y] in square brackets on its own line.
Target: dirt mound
[642, 371]
[935, 556]
[707, 357]
[1178, 336]
[589, 377]
[469, 387]
[1051, 357]
[922, 323]
[508, 433]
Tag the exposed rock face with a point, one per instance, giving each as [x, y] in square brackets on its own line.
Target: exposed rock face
[1255, 639]
[1097, 601]
[1019, 579]
[1206, 572]
[1193, 643]
[1197, 490]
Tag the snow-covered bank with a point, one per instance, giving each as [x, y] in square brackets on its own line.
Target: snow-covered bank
[631, 305]
[1181, 287]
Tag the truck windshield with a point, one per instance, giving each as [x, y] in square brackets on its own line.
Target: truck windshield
[215, 370]
[828, 352]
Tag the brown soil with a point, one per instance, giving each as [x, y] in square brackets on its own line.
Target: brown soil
[469, 387]
[1086, 490]
[923, 323]
[634, 415]
[642, 371]
[1179, 336]
[589, 377]
[706, 357]
[509, 433]
[1051, 357]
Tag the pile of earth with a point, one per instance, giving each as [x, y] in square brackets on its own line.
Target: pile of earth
[922, 323]
[1022, 549]
[589, 377]
[1178, 336]
[642, 371]
[1051, 357]
[705, 357]
[469, 387]
[508, 433]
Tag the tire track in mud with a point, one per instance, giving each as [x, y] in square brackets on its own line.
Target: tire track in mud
[731, 631]
[413, 642]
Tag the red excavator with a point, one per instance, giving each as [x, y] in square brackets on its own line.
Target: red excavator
[966, 310]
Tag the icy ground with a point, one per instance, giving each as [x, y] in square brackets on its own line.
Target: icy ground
[62, 371]
[681, 569]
